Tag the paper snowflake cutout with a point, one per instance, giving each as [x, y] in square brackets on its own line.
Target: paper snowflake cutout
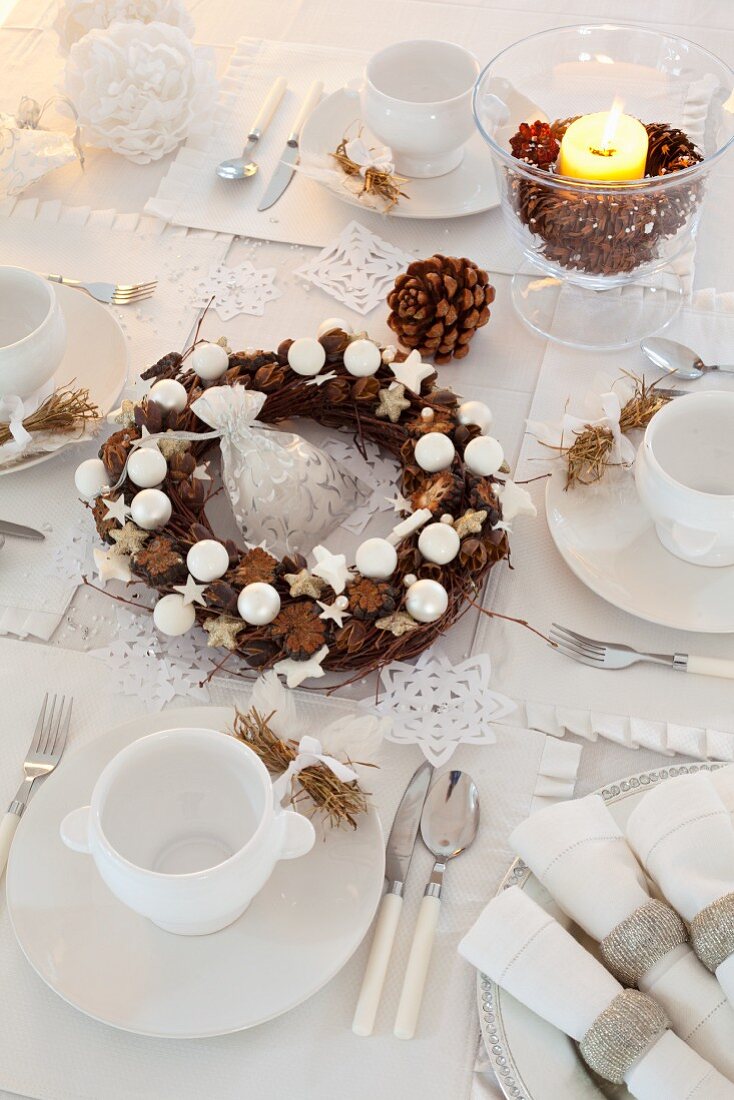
[438, 705]
[357, 268]
[242, 289]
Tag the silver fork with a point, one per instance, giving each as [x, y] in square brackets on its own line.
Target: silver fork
[115, 294]
[43, 755]
[612, 655]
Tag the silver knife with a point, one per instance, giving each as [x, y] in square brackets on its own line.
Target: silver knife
[19, 532]
[400, 846]
[286, 168]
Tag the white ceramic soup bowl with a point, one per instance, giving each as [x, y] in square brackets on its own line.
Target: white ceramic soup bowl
[32, 332]
[416, 98]
[183, 829]
[685, 477]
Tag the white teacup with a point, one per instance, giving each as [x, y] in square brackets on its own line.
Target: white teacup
[183, 829]
[416, 98]
[32, 332]
[685, 476]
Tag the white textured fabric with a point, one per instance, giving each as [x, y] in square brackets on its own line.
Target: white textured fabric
[526, 952]
[579, 853]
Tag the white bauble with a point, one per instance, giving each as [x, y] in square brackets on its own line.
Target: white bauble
[172, 616]
[169, 395]
[258, 603]
[150, 509]
[477, 413]
[332, 323]
[438, 542]
[90, 477]
[146, 467]
[434, 452]
[483, 455]
[207, 560]
[362, 358]
[209, 361]
[306, 356]
[426, 600]
[376, 558]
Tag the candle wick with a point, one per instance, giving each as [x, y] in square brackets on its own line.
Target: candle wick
[606, 152]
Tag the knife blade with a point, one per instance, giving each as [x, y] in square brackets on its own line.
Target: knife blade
[18, 531]
[286, 167]
[400, 846]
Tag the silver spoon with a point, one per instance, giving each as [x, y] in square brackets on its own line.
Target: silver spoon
[677, 359]
[449, 825]
[242, 167]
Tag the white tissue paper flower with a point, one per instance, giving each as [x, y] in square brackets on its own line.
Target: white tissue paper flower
[75, 18]
[140, 89]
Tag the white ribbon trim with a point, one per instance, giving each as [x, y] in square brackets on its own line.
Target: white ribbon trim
[310, 752]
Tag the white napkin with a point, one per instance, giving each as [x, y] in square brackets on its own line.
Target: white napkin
[578, 852]
[682, 834]
[524, 950]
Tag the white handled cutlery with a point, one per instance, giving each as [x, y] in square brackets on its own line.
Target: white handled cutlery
[243, 167]
[283, 174]
[612, 655]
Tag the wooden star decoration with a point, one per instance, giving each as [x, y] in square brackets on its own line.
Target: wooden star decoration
[331, 568]
[223, 631]
[171, 447]
[303, 584]
[412, 372]
[128, 539]
[125, 415]
[321, 378]
[392, 402]
[470, 523]
[111, 566]
[116, 509]
[398, 623]
[296, 672]
[334, 612]
[191, 591]
[201, 473]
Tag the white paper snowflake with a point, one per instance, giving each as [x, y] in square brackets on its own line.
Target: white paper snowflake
[438, 705]
[357, 268]
[243, 289]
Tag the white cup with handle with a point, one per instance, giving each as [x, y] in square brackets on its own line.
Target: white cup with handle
[183, 828]
[32, 332]
[416, 98]
[685, 476]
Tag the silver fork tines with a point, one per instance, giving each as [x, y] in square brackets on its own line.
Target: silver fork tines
[607, 655]
[116, 294]
[46, 748]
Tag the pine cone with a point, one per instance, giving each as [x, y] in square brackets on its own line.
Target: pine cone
[669, 150]
[255, 565]
[437, 305]
[300, 630]
[535, 142]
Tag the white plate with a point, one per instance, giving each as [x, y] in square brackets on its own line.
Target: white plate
[119, 968]
[96, 358]
[532, 1059]
[608, 540]
[469, 189]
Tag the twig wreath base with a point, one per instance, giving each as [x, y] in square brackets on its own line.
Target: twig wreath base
[377, 629]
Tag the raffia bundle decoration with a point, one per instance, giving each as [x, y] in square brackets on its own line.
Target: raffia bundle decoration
[67, 410]
[375, 181]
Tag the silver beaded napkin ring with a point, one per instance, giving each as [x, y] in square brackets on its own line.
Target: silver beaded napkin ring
[622, 1033]
[712, 932]
[642, 939]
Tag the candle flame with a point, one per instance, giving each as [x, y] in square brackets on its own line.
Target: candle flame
[610, 127]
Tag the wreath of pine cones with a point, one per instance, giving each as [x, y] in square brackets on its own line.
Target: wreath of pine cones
[378, 628]
[601, 234]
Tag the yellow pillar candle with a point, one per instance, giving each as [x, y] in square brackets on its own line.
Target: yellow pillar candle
[606, 146]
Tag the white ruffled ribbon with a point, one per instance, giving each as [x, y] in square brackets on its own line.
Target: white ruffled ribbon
[609, 405]
[310, 752]
[379, 158]
[12, 412]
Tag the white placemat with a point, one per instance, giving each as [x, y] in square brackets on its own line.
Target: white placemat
[311, 1051]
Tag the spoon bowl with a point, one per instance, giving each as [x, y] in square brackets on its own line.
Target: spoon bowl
[237, 169]
[675, 358]
[450, 816]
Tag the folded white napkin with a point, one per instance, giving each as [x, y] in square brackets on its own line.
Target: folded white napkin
[578, 852]
[682, 834]
[524, 950]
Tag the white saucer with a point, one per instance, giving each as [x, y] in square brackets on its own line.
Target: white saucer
[119, 968]
[608, 540]
[469, 189]
[96, 358]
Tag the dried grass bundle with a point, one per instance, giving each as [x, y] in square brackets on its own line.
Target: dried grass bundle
[375, 182]
[66, 410]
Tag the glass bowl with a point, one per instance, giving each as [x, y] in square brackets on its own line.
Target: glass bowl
[615, 249]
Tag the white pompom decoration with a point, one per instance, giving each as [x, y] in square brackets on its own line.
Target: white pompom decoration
[90, 477]
[207, 560]
[209, 361]
[146, 467]
[150, 509]
[172, 616]
[434, 452]
[258, 603]
[376, 558]
[169, 395]
[439, 543]
[426, 601]
[362, 358]
[332, 323]
[484, 455]
[475, 413]
[306, 356]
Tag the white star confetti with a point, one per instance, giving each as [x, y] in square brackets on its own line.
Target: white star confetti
[515, 501]
[117, 509]
[321, 378]
[331, 568]
[334, 611]
[296, 672]
[201, 473]
[235, 290]
[412, 372]
[191, 591]
[111, 567]
[399, 503]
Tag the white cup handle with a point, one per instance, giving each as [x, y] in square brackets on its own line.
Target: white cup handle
[297, 833]
[693, 543]
[74, 830]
